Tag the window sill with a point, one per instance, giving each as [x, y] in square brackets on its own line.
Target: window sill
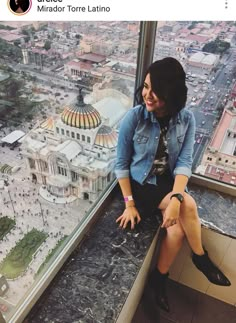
[96, 281]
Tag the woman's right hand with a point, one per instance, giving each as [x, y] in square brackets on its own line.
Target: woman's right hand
[131, 215]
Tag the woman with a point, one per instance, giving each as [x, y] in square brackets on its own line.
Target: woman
[19, 6]
[154, 159]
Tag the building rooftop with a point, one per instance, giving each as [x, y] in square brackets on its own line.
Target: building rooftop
[9, 36]
[106, 108]
[221, 141]
[13, 136]
[69, 148]
[80, 65]
[200, 57]
[220, 174]
[94, 58]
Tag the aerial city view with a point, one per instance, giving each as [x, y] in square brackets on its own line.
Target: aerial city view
[64, 87]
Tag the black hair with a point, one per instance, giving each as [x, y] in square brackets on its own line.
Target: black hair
[24, 4]
[167, 78]
[13, 5]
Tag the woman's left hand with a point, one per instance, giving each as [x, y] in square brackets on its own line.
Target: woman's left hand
[171, 214]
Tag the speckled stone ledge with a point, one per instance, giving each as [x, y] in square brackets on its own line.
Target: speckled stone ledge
[95, 282]
[216, 210]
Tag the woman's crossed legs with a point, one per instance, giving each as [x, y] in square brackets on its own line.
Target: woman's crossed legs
[187, 225]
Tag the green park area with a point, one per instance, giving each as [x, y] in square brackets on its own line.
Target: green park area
[6, 224]
[18, 259]
[51, 255]
[15, 104]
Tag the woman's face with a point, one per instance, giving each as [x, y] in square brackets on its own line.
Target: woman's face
[153, 103]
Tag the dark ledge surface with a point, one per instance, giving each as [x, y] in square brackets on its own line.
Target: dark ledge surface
[94, 283]
[216, 210]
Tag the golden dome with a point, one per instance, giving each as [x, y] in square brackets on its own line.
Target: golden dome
[48, 124]
[106, 137]
[81, 115]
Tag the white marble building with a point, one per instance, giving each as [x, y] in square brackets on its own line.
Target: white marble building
[73, 154]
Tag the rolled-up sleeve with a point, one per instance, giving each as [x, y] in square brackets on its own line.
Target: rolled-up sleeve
[185, 159]
[125, 144]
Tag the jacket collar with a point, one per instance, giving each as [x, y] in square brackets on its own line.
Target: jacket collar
[173, 121]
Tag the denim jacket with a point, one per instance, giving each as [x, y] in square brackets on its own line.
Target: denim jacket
[138, 140]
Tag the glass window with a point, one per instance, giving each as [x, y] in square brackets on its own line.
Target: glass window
[102, 72]
[207, 52]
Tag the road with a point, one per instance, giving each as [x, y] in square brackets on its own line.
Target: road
[51, 78]
[208, 111]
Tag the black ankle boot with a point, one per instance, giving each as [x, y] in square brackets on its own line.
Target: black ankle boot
[209, 269]
[157, 283]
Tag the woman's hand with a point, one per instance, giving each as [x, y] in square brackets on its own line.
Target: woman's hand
[171, 214]
[131, 215]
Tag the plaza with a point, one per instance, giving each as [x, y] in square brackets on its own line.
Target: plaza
[22, 201]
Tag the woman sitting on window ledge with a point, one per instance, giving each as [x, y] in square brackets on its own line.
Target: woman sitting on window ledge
[154, 160]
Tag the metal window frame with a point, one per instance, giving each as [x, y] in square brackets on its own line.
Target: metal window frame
[146, 47]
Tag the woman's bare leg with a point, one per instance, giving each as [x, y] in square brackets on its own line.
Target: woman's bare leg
[188, 224]
[170, 247]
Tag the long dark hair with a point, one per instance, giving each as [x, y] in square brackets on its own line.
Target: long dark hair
[24, 4]
[168, 83]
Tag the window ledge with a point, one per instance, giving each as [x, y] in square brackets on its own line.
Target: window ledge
[216, 209]
[99, 276]
[96, 280]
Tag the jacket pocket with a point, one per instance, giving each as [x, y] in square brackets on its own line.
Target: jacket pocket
[140, 145]
[140, 139]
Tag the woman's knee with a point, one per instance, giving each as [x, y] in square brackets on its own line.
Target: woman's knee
[176, 231]
[189, 206]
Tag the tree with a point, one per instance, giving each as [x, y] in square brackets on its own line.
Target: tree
[25, 32]
[12, 89]
[47, 45]
[78, 36]
[193, 25]
[217, 46]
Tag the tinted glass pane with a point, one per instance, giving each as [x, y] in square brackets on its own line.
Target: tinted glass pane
[64, 86]
[207, 52]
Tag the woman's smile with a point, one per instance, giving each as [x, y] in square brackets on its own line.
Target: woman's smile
[153, 103]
